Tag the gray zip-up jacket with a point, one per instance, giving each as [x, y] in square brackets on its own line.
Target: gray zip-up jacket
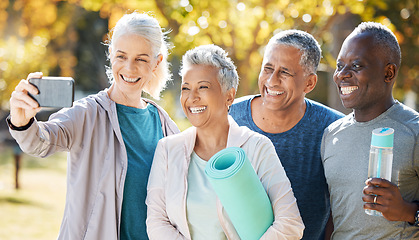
[97, 162]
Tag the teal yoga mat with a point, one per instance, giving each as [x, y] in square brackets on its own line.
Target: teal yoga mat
[241, 193]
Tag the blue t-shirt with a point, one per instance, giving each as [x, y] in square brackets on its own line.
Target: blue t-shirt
[299, 152]
[141, 130]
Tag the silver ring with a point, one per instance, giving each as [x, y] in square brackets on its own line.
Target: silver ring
[375, 199]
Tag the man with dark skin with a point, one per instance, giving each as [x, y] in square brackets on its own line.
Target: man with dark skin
[366, 71]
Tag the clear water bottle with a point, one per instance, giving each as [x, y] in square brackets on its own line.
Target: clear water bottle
[381, 157]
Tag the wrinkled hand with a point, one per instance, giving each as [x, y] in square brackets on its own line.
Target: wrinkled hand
[389, 200]
[22, 106]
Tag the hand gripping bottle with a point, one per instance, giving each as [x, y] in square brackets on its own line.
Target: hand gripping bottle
[381, 157]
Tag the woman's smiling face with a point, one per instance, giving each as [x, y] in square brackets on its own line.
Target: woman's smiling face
[202, 98]
[132, 63]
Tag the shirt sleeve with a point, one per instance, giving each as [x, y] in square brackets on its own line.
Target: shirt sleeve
[42, 139]
[287, 220]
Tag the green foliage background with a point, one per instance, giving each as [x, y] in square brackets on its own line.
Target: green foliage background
[63, 38]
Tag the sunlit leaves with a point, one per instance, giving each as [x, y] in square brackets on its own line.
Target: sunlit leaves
[17, 58]
[3, 14]
[40, 35]
[92, 5]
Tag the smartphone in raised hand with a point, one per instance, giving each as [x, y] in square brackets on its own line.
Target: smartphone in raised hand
[56, 92]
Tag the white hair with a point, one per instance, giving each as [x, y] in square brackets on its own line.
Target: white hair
[147, 27]
[215, 56]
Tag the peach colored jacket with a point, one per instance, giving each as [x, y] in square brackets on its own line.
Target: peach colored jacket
[167, 186]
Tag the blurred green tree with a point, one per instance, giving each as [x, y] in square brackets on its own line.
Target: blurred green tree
[63, 37]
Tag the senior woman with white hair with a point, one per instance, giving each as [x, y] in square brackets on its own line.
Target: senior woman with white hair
[110, 136]
[181, 203]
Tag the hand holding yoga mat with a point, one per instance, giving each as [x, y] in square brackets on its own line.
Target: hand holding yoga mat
[241, 193]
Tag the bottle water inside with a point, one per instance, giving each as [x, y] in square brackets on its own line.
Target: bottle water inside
[381, 157]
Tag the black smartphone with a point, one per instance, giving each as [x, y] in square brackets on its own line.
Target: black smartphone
[56, 92]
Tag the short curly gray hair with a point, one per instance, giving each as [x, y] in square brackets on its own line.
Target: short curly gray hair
[148, 27]
[305, 42]
[215, 56]
[384, 40]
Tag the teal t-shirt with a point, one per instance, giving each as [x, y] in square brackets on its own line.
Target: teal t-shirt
[141, 130]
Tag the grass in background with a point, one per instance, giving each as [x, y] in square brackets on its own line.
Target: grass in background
[36, 209]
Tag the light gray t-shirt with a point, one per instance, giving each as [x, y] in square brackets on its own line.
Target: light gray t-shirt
[345, 155]
[201, 207]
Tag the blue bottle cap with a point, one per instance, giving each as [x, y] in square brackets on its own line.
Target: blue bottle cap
[382, 137]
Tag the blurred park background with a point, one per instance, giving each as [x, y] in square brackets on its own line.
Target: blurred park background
[65, 38]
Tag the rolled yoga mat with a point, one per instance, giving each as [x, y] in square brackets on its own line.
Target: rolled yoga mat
[241, 193]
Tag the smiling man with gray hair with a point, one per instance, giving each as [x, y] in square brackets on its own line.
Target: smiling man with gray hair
[292, 122]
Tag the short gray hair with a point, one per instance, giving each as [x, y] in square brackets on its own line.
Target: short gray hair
[146, 26]
[384, 39]
[303, 41]
[215, 56]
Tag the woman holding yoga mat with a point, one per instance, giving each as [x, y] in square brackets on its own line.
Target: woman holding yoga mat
[181, 203]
